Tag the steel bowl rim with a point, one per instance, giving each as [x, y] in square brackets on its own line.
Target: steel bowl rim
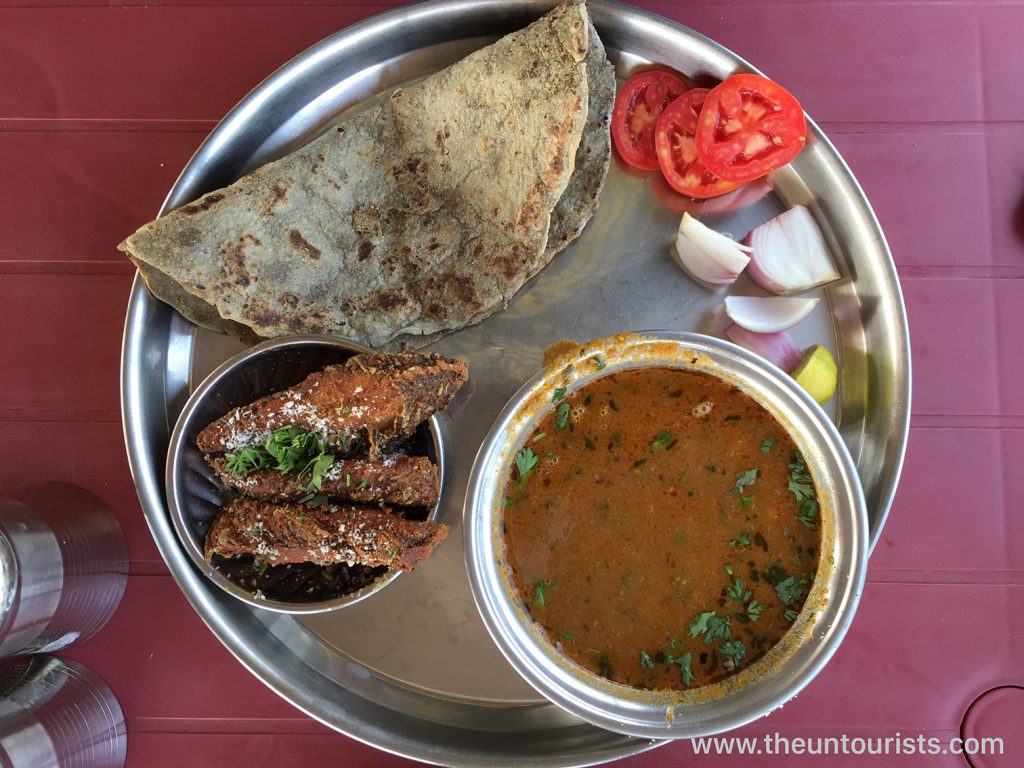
[174, 475]
[571, 693]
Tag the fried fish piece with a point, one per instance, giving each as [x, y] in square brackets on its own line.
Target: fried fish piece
[325, 535]
[406, 481]
[373, 397]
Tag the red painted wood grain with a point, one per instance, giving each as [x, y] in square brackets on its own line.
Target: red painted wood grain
[73, 195]
[63, 347]
[868, 59]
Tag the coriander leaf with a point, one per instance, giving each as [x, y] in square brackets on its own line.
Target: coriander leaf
[562, 416]
[790, 590]
[645, 660]
[363, 483]
[745, 479]
[567, 636]
[754, 610]
[767, 444]
[248, 460]
[317, 468]
[742, 541]
[662, 442]
[736, 589]
[599, 363]
[540, 593]
[800, 483]
[790, 615]
[558, 394]
[684, 667]
[526, 460]
[733, 649]
[746, 501]
[808, 514]
[711, 625]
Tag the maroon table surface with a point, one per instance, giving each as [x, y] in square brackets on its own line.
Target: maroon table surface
[102, 103]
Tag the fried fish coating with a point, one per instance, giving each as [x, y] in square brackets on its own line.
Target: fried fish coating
[379, 399]
[405, 481]
[325, 535]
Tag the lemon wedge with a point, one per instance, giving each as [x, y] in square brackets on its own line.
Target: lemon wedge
[817, 373]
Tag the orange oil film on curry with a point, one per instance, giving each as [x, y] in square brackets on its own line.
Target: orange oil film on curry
[662, 527]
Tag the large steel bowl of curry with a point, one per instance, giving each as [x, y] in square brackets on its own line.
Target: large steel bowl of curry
[665, 535]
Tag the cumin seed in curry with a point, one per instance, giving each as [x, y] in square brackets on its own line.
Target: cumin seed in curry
[662, 527]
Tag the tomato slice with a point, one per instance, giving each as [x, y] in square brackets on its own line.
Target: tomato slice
[677, 150]
[749, 125]
[638, 105]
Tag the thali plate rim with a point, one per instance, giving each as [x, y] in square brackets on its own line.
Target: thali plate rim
[142, 306]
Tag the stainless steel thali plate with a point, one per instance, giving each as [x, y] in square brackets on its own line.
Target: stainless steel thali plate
[413, 670]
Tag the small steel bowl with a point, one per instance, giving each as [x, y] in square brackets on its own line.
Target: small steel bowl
[754, 691]
[195, 494]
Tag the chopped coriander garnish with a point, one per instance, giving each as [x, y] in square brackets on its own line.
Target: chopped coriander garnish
[745, 479]
[558, 394]
[567, 636]
[526, 460]
[733, 649]
[589, 444]
[248, 460]
[562, 416]
[645, 660]
[767, 444]
[348, 481]
[684, 666]
[802, 487]
[662, 442]
[289, 449]
[711, 468]
[540, 592]
[754, 610]
[790, 615]
[313, 500]
[362, 484]
[742, 541]
[599, 363]
[737, 590]
[539, 436]
[711, 625]
[746, 501]
[790, 590]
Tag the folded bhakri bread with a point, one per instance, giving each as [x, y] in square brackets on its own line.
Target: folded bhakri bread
[420, 215]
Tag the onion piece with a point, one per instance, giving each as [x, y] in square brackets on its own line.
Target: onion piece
[789, 253]
[709, 255]
[777, 348]
[768, 314]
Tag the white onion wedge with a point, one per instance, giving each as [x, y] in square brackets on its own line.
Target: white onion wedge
[789, 253]
[768, 314]
[777, 348]
[709, 255]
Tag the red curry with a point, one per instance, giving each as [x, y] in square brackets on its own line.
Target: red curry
[662, 527]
